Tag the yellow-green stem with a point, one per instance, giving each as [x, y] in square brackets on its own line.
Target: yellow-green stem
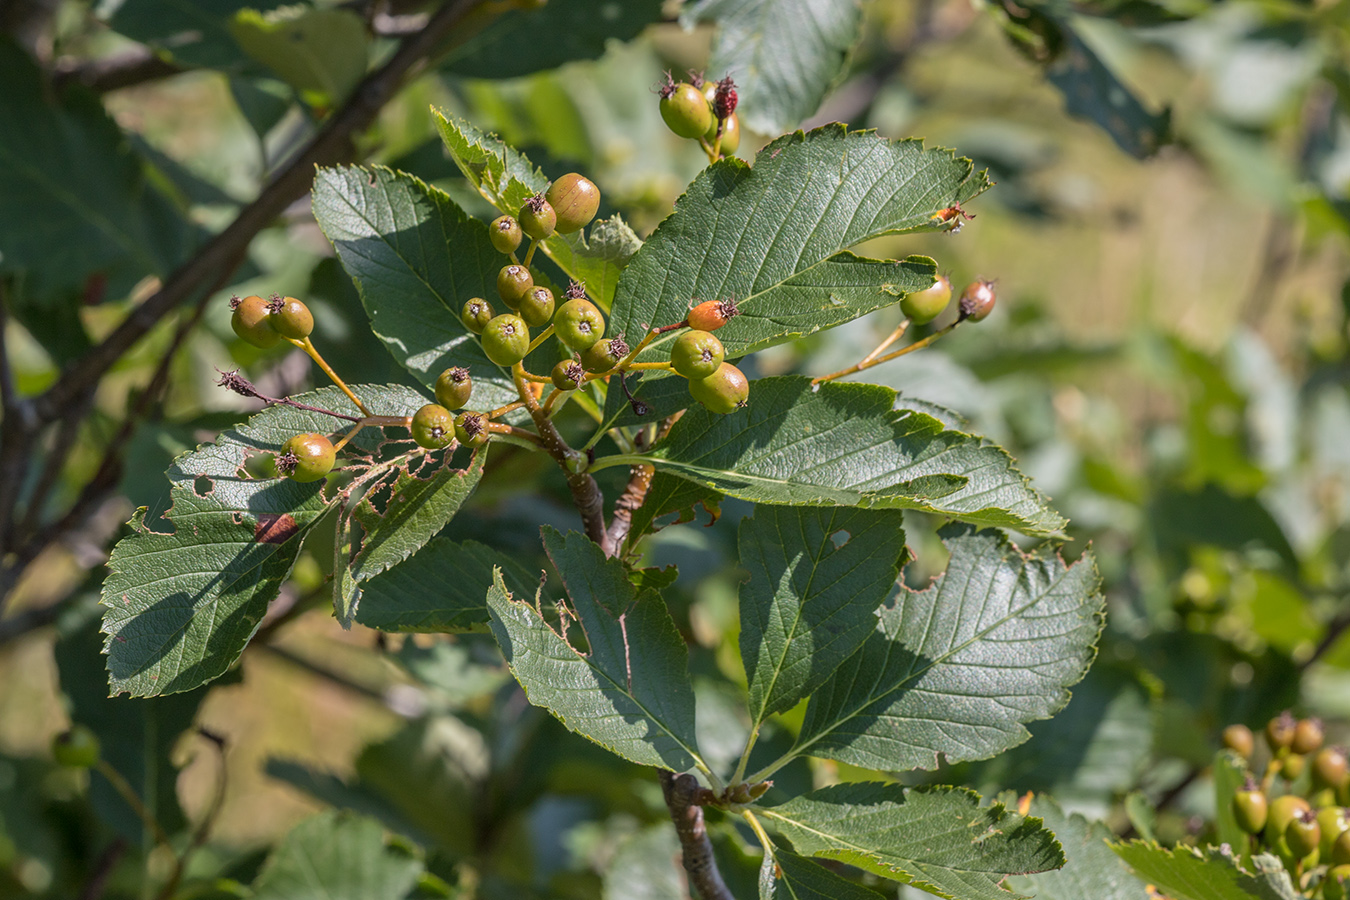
[128, 793]
[543, 336]
[759, 831]
[529, 254]
[652, 366]
[878, 360]
[503, 410]
[308, 346]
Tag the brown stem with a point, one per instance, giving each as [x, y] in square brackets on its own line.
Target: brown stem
[681, 793]
[208, 821]
[639, 482]
[586, 494]
[242, 386]
[123, 70]
[103, 869]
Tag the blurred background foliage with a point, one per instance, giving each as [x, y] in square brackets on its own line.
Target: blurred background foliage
[1170, 363]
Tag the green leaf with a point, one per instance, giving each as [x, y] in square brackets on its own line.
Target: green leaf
[938, 839]
[1230, 774]
[798, 878]
[817, 576]
[667, 495]
[645, 867]
[1188, 873]
[182, 605]
[846, 445]
[427, 491]
[336, 856]
[76, 206]
[784, 54]
[195, 34]
[774, 236]
[957, 669]
[554, 34]
[1091, 871]
[319, 50]
[416, 257]
[440, 588]
[506, 179]
[629, 689]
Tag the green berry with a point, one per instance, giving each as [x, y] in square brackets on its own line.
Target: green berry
[696, 354]
[1303, 834]
[433, 427]
[1237, 738]
[77, 748]
[977, 300]
[476, 314]
[685, 109]
[579, 324]
[471, 429]
[538, 218]
[1308, 736]
[1333, 822]
[568, 375]
[454, 388]
[506, 339]
[513, 283]
[1293, 766]
[575, 200]
[250, 322]
[724, 391]
[505, 234]
[290, 318]
[537, 307]
[1282, 812]
[1280, 731]
[731, 132]
[1340, 850]
[922, 307]
[1336, 886]
[604, 354]
[712, 314]
[306, 457]
[1250, 808]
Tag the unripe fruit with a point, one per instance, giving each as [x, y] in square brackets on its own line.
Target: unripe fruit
[505, 234]
[454, 388]
[1340, 850]
[1280, 731]
[433, 427]
[604, 354]
[977, 300]
[685, 109]
[723, 391]
[1250, 808]
[250, 322]
[476, 314]
[1333, 822]
[1329, 768]
[1337, 883]
[1303, 834]
[306, 457]
[696, 354]
[575, 200]
[1282, 811]
[290, 318]
[537, 307]
[537, 218]
[1239, 739]
[922, 307]
[579, 324]
[1293, 766]
[513, 283]
[506, 339]
[471, 429]
[568, 375]
[712, 314]
[731, 134]
[77, 748]
[1307, 736]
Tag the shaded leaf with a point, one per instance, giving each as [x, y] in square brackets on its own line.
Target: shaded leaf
[938, 839]
[1189, 873]
[646, 867]
[1091, 870]
[195, 34]
[1230, 774]
[774, 236]
[181, 605]
[629, 689]
[798, 878]
[336, 856]
[416, 257]
[668, 495]
[320, 50]
[784, 54]
[957, 669]
[817, 577]
[846, 445]
[440, 588]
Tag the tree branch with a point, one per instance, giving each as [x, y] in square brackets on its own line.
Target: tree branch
[681, 793]
[639, 482]
[123, 70]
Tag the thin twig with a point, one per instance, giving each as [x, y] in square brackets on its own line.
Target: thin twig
[681, 794]
[103, 869]
[124, 70]
[233, 381]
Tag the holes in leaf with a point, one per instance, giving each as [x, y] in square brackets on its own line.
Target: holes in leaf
[840, 538]
[202, 486]
[260, 464]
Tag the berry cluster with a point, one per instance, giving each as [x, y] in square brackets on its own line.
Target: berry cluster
[265, 323]
[1307, 825]
[702, 110]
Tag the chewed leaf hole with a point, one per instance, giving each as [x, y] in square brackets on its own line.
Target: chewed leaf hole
[202, 486]
[840, 538]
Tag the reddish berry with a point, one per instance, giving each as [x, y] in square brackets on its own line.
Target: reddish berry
[696, 354]
[476, 314]
[924, 306]
[506, 339]
[1307, 736]
[575, 200]
[1238, 738]
[454, 388]
[505, 234]
[537, 306]
[724, 391]
[306, 457]
[1330, 768]
[537, 218]
[712, 314]
[513, 283]
[579, 324]
[724, 99]
[1280, 731]
[250, 322]
[977, 300]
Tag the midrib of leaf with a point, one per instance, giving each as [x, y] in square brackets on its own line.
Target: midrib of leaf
[312, 871]
[918, 673]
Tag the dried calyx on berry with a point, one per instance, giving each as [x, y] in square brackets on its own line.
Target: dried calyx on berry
[977, 301]
[576, 290]
[724, 99]
[290, 317]
[712, 314]
[537, 218]
[684, 108]
[471, 429]
[454, 387]
[568, 375]
[251, 321]
[306, 457]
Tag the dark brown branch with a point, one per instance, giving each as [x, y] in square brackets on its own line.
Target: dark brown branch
[639, 482]
[124, 70]
[1330, 635]
[681, 793]
[103, 869]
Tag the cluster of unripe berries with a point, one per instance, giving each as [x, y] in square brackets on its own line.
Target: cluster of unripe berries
[975, 303]
[264, 323]
[702, 110]
[1307, 826]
